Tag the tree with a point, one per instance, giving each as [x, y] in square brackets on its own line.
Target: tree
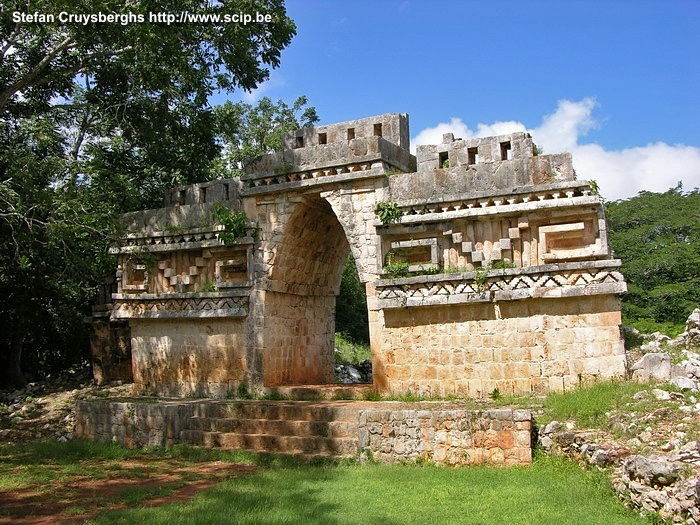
[657, 236]
[351, 306]
[248, 131]
[97, 119]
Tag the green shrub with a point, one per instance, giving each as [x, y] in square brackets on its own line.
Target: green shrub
[388, 211]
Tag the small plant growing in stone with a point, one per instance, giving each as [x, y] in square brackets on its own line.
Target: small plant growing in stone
[393, 268]
[242, 392]
[371, 395]
[496, 394]
[208, 287]
[445, 164]
[480, 278]
[595, 189]
[234, 223]
[388, 211]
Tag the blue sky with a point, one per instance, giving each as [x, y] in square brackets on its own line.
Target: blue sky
[615, 82]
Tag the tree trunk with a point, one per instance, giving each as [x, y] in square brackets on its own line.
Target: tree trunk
[13, 377]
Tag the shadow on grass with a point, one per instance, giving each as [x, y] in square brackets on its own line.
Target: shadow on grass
[553, 492]
[282, 496]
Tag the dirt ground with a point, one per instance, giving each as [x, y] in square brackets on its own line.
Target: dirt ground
[46, 410]
[135, 482]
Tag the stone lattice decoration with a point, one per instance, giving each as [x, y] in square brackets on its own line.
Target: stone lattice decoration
[493, 274]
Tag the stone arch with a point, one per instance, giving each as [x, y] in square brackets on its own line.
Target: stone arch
[299, 306]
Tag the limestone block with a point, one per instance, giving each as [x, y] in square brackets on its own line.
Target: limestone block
[477, 256]
[194, 270]
[173, 280]
[655, 365]
[467, 246]
[505, 244]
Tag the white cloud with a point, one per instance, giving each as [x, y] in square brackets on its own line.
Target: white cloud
[274, 81]
[619, 173]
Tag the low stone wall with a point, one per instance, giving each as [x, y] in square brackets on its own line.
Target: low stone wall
[445, 434]
[133, 423]
[447, 437]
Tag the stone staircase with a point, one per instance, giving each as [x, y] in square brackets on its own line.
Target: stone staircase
[309, 428]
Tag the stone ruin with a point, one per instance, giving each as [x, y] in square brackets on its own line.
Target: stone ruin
[490, 272]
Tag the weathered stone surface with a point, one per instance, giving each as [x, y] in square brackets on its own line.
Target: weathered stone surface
[209, 314]
[388, 432]
[655, 365]
[448, 437]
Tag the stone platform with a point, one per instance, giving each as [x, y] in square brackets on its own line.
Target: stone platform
[387, 431]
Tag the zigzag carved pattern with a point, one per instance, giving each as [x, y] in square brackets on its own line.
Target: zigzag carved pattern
[503, 283]
[178, 305]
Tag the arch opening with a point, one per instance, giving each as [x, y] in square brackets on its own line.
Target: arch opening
[300, 301]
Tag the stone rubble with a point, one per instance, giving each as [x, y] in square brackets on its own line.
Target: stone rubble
[46, 409]
[656, 363]
[354, 374]
[655, 465]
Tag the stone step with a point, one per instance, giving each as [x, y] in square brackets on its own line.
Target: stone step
[279, 410]
[277, 427]
[306, 445]
[320, 392]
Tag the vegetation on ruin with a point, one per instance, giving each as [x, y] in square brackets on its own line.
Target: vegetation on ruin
[234, 223]
[388, 211]
[394, 267]
[289, 490]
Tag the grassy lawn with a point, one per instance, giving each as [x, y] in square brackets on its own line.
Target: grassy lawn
[552, 491]
[247, 488]
[286, 490]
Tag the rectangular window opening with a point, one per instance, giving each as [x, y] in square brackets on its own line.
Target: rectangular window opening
[472, 155]
[351, 133]
[300, 142]
[203, 194]
[377, 130]
[227, 191]
[322, 138]
[181, 197]
[444, 160]
[506, 151]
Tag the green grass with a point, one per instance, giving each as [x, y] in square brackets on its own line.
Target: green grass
[552, 491]
[350, 352]
[136, 495]
[588, 405]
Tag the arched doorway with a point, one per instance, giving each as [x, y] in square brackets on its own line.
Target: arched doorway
[300, 298]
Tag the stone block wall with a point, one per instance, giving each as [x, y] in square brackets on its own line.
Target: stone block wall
[298, 333]
[189, 357]
[391, 126]
[525, 347]
[443, 433]
[110, 349]
[447, 437]
[132, 424]
[458, 152]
